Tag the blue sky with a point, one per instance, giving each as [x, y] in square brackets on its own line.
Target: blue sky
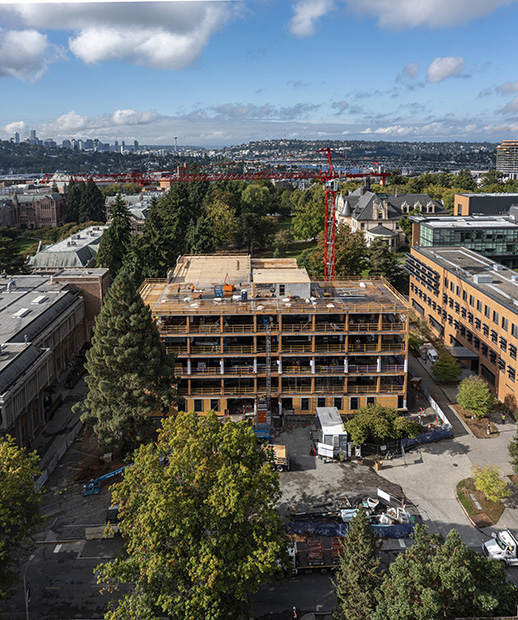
[222, 73]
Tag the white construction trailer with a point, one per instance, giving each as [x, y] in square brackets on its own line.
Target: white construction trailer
[332, 436]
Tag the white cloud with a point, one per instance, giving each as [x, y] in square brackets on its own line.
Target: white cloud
[401, 14]
[507, 87]
[160, 35]
[410, 70]
[72, 124]
[307, 12]
[511, 107]
[25, 54]
[18, 126]
[443, 68]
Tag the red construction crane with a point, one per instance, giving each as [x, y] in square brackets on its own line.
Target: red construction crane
[328, 175]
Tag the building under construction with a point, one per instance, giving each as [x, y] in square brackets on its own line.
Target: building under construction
[246, 329]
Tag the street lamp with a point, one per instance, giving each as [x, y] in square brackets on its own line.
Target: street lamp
[25, 593]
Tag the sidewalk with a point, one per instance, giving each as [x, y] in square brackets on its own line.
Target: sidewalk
[429, 475]
[52, 441]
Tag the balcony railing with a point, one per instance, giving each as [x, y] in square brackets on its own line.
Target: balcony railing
[363, 327]
[329, 389]
[296, 370]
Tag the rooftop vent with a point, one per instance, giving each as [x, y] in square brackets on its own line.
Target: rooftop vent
[483, 278]
[498, 267]
[514, 277]
[39, 300]
[21, 313]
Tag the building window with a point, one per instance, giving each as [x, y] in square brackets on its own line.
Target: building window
[501, 365]
[446, 282]
[487, 311]
[484, 349]
[462, 331]
[450, 302]
[337, 402]
[282, 289]
[444, 298]
[476, 342]
[469, 337]
[457, 307]
[371, 400]
[479, 305]
[494, 336]
[512, 351]
[198, 405]
[496, 317]
[503, 344]
[470, 318]
[214, 404]
[485, 329]
[457, 291]
[304, 404]
[505, 324]
[471, 300]
[511, 373]
[321, 401]
[514, 330]
[451, 287]
[492, 356]
[464, 296]
[450, 319]
[477, 324]
[354, 403]
[463, 312]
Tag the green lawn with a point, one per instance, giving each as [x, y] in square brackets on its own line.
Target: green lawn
[22, 243]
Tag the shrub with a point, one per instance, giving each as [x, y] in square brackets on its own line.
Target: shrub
[487, 480]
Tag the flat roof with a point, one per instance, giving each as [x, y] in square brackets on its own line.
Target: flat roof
[466, 221]
[330, 421]
[355, 295]
[32, 303]
[470, 266]
[280, 276]
[89, 236]
[212, 269]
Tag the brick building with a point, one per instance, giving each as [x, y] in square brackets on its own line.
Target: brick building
[471, 302]
[239, 325]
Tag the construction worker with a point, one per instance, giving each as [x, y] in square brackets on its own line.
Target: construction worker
[503, 418]
[294, 613]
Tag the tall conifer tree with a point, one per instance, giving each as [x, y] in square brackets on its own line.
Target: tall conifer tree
[130, 376]
[357, 577]
[115, 242]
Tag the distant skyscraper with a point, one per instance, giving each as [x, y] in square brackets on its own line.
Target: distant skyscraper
[135, 145]
[16, 137]
[116, 146]
[123, 146]
[507, 158]
[66, 144]
[32, 135]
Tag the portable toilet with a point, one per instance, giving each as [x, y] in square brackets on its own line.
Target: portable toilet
[332, 436]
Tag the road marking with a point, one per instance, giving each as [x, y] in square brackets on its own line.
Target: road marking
[401, 543]
[57, 548]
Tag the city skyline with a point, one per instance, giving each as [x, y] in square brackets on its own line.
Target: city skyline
[221, 73]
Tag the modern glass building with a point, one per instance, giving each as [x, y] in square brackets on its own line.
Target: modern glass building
[493, 236]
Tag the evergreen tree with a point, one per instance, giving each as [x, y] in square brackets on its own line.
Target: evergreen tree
[382, 261]
[73, 201]
[357, 577]
[199, 239]
[150, 254]
[130, 376]
[11, 261]
[116, 241]
[177, 212]
[437, 578]
[91, 206]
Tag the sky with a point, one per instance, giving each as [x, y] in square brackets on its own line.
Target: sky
[225, 72]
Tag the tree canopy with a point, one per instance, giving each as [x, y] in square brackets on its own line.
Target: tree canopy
[446, 368]
[377, 424]
[116, 241]
[357, 577]
[437, 578]
[130, 376]
[474, 395]
[200, 523]
[19, 506]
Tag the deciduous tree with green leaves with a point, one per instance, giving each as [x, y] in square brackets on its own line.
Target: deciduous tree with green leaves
[377, 424]
[436, 579]
[487, 479]
[446, 368]
[357, 576]
[130, 376]
[475, 396]
[512, 448]
[200, 522]
[19, 506]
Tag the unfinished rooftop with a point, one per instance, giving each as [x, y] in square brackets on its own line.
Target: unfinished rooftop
[234, 284]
